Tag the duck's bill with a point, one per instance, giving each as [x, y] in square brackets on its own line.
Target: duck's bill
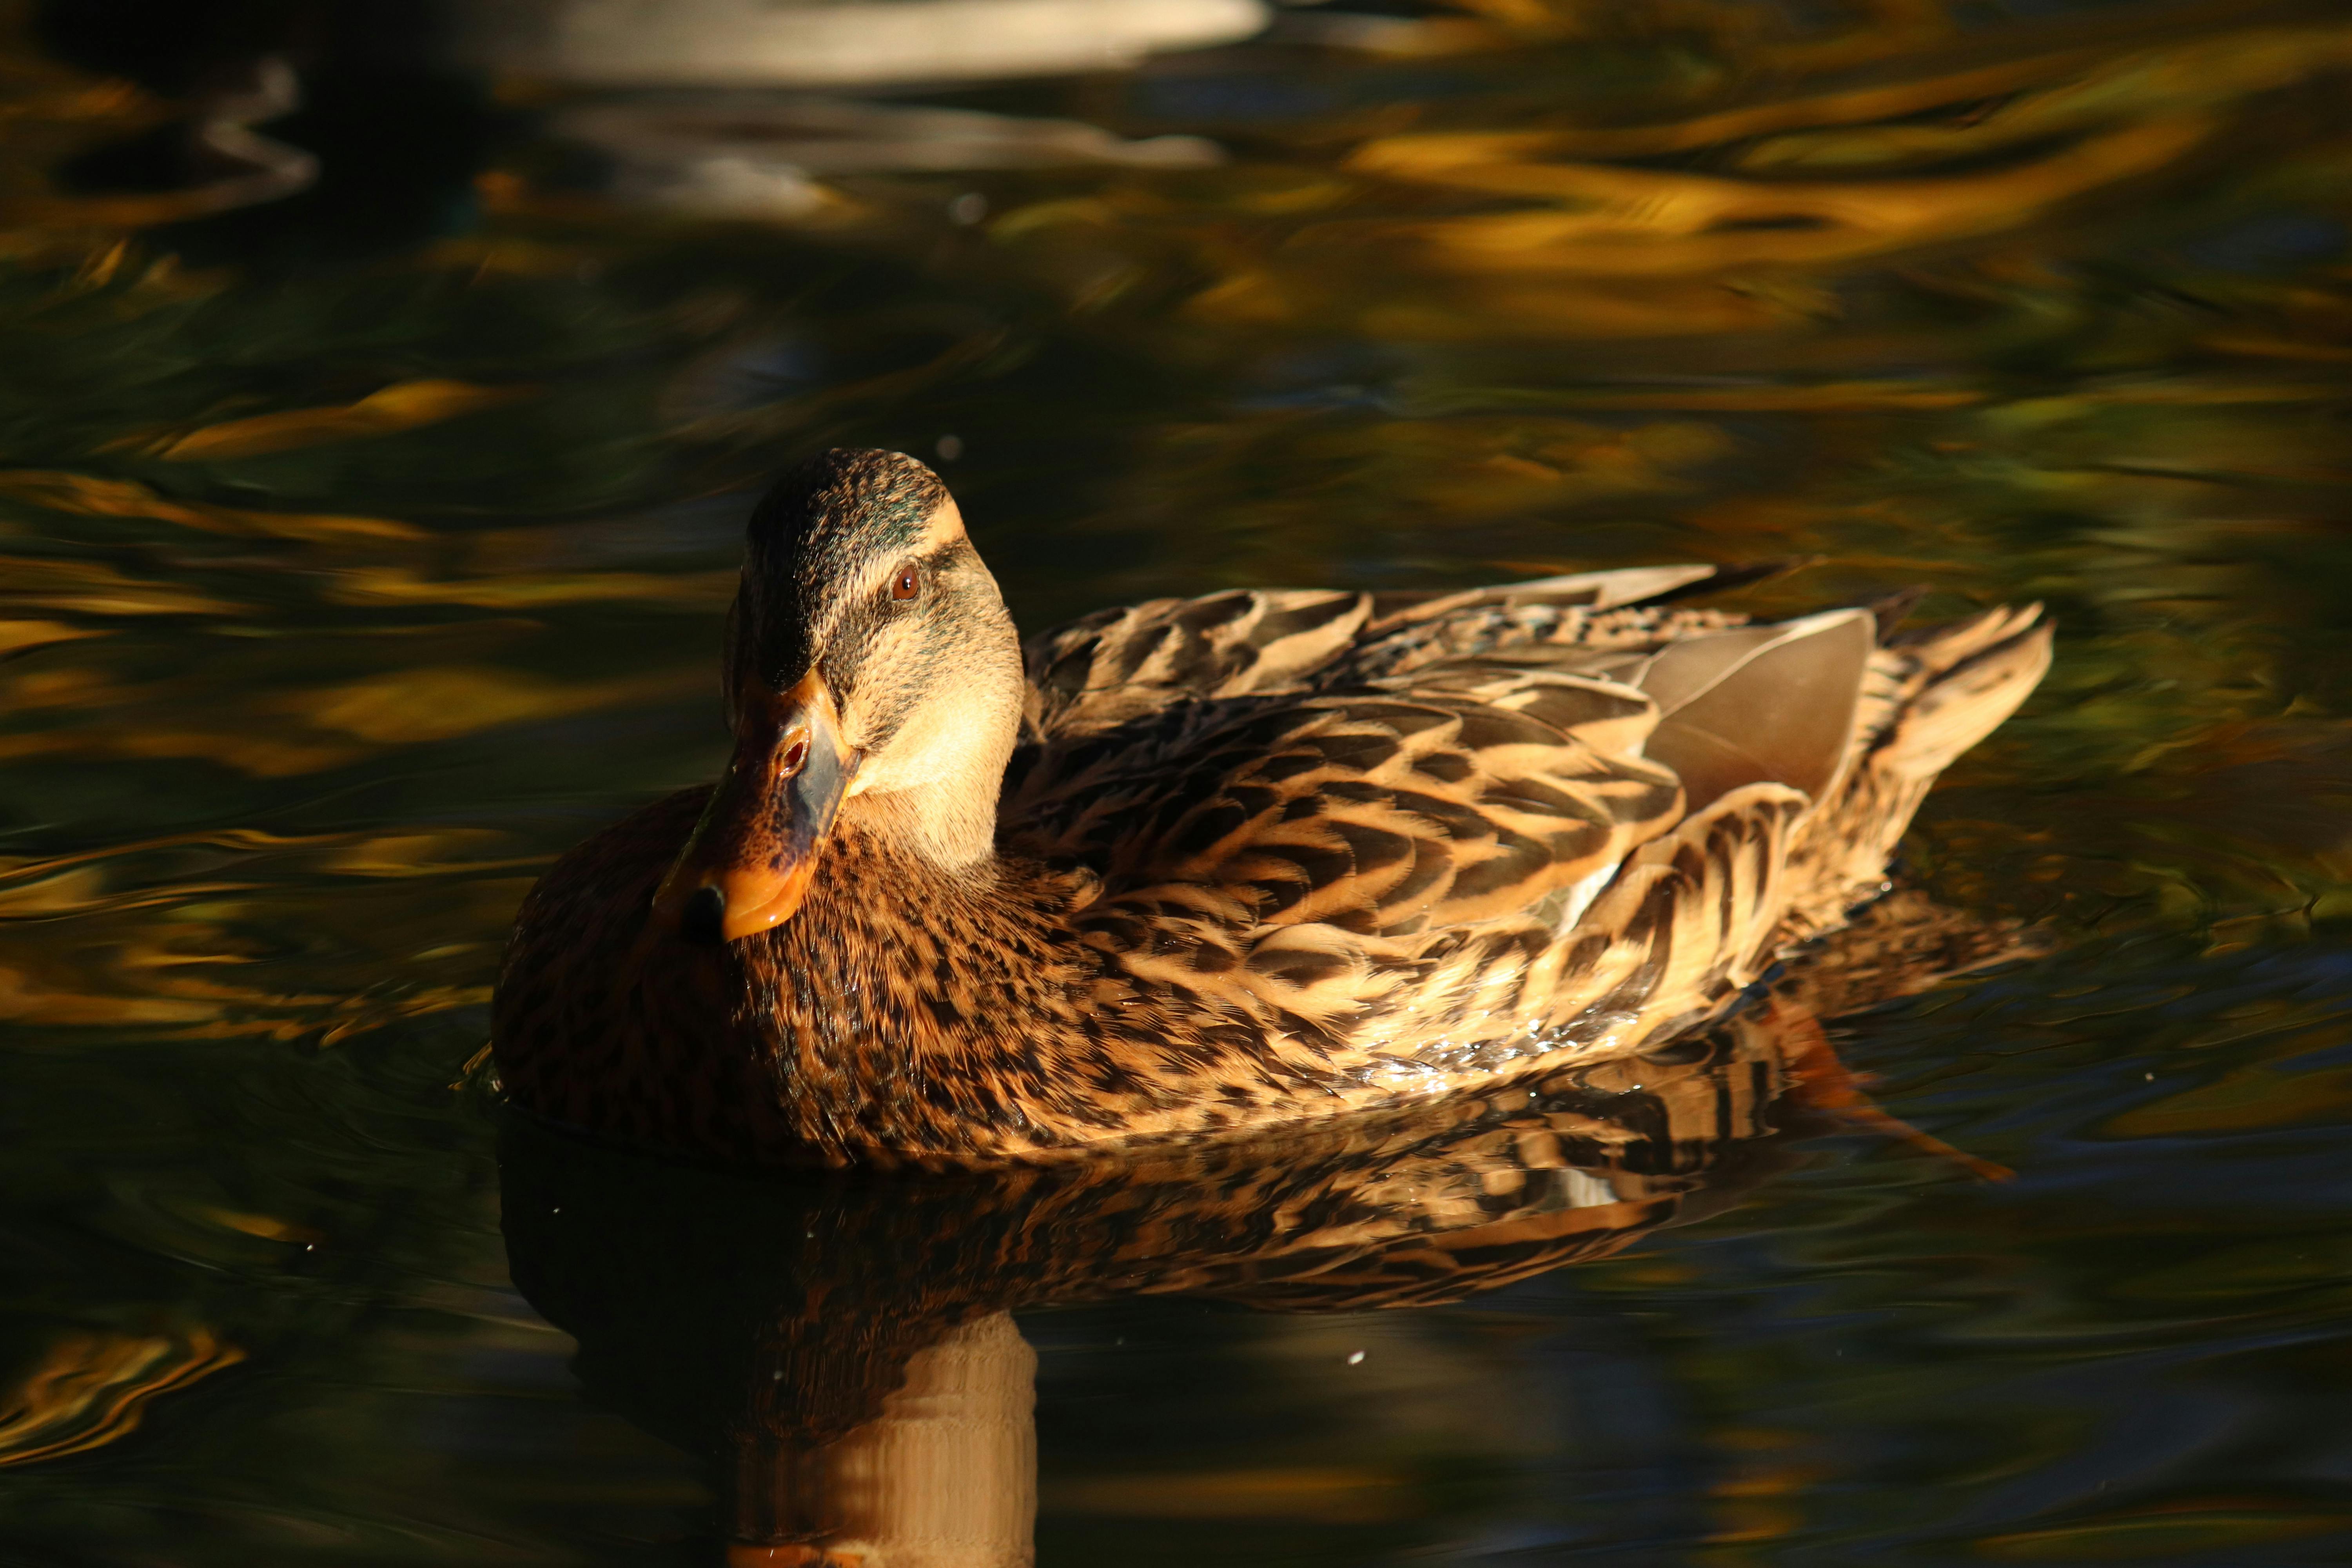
[752, 855]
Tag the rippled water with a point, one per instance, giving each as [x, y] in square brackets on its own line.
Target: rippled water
[362, 548]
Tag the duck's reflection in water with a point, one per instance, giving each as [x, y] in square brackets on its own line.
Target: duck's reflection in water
[844, 1347]
[941, 1474]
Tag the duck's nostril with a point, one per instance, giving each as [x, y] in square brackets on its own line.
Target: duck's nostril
[701, 918]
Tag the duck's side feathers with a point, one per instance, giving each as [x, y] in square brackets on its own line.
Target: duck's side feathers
[1686, 920]
[1690, 919]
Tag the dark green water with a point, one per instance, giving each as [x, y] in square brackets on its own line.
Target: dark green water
[361, 551]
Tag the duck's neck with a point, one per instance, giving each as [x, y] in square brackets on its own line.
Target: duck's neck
[948, 827]
[892, 1001]
[929, 791]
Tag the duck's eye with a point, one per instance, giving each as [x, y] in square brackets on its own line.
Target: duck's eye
[905, 584]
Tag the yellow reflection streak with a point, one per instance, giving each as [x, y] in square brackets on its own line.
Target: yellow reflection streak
[126, 937]
[395, 585]
[1645, 223]
[81, 495]
[404, 406]
[440, 702]
[90, 1389]
[94, 588]
[284, 733]
[22, 637]
[1323, 1495]
[1571, 236]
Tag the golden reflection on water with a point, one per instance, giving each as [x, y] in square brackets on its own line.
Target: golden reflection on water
[1744, 236]
[403, 406]
[91, 1390]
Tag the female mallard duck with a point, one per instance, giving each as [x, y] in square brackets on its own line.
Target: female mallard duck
[1210, 864]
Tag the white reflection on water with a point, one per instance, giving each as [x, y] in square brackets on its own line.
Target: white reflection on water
[744, 42]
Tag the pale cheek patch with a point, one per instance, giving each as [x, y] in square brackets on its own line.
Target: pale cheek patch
[953, 718]
[896, 671]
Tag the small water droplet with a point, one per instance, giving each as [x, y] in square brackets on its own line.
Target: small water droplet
[968, 208]
[949, 448]
[1355, 1358]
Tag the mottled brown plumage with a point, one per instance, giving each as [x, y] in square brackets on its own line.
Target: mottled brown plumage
[1212, 863]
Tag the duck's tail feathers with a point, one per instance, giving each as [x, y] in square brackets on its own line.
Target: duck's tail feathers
[1968, 678]
[1932, 696]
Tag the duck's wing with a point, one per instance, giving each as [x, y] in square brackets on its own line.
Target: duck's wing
[1468, 789]
[1447, 860]
[1306, 886]
[1117, 665]
[1143, 689]
[1379, 811]
[1593, 831]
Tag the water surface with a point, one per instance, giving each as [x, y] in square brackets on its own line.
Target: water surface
[362, 548]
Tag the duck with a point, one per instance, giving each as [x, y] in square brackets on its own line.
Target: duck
[1205, 868]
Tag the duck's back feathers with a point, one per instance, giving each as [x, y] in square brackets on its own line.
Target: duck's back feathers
[1120, 699]
[1117, 665]
[1443, 836]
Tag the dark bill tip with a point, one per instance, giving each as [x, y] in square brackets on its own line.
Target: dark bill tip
[703, 919]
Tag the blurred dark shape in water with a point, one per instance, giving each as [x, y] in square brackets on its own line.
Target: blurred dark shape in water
[381, 113]
[178, 50]
[374, 136]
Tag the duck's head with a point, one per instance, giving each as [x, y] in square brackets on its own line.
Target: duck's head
[872, 675]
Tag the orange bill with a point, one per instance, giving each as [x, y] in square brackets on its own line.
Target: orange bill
[752, 855]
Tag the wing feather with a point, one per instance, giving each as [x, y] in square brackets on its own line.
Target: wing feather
[1387, 814]
[1316, 858]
